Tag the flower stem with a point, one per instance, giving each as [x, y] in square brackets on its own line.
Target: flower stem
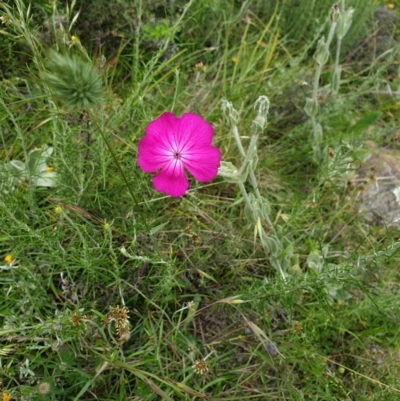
[235, 134]
[317, 76]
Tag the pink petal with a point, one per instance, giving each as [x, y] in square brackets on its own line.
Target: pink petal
[180, 133]
[166, 131]
[174, 184]
[203, 162]
[165, 124]
[195, 130]
[152, 154]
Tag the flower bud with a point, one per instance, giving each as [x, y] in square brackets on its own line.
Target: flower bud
[335, 13]
[230, 112]
[344, 23]
[311, 107]
[322, 53]
[262, 105]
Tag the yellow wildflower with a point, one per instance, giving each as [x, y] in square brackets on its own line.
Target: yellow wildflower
[6, 396]
[49, 169]
[390, 6]
[57, 209]
[74, 39]
[234, 60]
[8, 258]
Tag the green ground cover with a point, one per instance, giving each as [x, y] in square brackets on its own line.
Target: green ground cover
[265, 283]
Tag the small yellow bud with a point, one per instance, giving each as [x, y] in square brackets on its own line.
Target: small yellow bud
[341, 370]
[49, 169]
[8, 259]
[6, 396]
[390, 6]
[74, 39]
[57, 209]
[234, 60]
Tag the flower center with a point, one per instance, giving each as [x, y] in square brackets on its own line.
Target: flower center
[176, 155]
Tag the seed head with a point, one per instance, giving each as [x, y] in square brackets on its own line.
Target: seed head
[77, 319]
[5, 19]
[73, 81]
[200, 67]
[120, 315]
[200, 366]
[44, 388]
[297, 327]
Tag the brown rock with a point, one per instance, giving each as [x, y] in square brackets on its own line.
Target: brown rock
[380, 200]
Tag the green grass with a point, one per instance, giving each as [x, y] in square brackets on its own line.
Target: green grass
[191, 271]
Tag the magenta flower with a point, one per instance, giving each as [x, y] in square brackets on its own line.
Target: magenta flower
[172, 145]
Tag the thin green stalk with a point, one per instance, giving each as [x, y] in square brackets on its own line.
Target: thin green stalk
[331, 32]
[133, 196]
[338, 48]
[235, 134]
[324, 52]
